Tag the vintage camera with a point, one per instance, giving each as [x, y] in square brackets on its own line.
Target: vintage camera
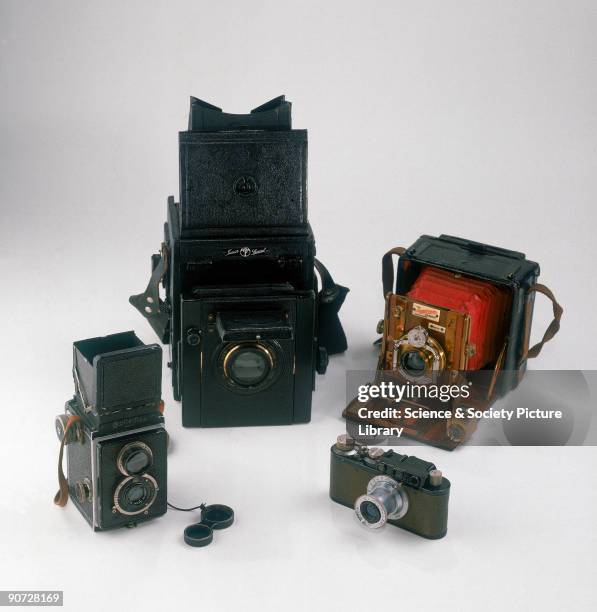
[113, 432]
[458, 312]
[459, 305]
[387, 487]
[247, 321]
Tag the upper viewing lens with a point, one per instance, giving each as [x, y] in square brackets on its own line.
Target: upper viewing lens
[137, 462]
[134, 458]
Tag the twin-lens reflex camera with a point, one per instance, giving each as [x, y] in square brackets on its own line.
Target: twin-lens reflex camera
[113, 433]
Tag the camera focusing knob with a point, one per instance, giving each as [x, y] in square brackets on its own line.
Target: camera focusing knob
[83, 490]
[74, 432]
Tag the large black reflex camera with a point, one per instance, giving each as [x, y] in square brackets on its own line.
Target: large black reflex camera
[246, 319]
[113, 433]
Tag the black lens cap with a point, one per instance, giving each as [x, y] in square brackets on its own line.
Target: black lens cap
[217, 516]
[198, 535]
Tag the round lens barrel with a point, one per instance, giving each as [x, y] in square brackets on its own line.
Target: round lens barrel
[135, 494]
[134, 458]
[248, 366]
[413, 363]
[370, 512]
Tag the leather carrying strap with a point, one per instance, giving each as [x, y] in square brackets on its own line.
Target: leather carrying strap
[330, 298]
[387, 270]
[61, 497]
[553, 327]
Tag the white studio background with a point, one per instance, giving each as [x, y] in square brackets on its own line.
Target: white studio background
[475, 119]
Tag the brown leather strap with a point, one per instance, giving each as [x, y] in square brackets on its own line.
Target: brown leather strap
[387, 269]
[61, 497]
[554, 326]
[497, 369]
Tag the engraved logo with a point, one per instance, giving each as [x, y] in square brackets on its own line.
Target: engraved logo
[246, 251]
[245, 186]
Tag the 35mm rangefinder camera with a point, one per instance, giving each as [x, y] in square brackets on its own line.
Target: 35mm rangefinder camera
[387, 487]
[247, 321]
[113, 432]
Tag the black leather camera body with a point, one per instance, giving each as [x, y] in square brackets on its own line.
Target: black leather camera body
[245, 316]
[113, 433]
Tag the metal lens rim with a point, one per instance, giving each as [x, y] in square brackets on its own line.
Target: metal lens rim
[382, 511]
[124, 483]
[424, 355]
[236, 351]
[386, 481]
[274, 355]
[433, 355]
[131, 445]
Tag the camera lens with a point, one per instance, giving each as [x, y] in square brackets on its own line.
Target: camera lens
[249, 365]
[370, 512]
[385, 500]
[134, 458]
[413, 363]
[135, 494]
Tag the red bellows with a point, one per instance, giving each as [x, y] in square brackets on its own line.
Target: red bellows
[488, 306]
